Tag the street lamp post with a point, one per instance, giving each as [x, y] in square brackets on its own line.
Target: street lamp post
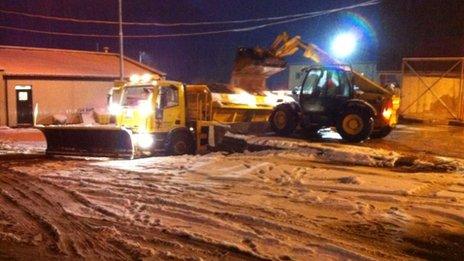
[121, 44]
[141, 54]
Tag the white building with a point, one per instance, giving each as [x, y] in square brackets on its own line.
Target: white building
[57, 81]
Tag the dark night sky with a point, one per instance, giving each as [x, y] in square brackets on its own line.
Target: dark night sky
[420, 28]
[209, 58]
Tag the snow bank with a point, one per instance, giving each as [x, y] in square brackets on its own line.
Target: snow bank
[25, 147]
[351, 154]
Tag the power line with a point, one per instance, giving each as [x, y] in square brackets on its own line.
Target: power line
[75, 20]
[55, 33]
[243, 29]
[274, 18]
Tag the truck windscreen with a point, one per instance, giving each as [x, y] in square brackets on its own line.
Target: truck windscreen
[133, 95]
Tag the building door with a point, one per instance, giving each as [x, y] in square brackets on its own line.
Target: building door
[24, 104]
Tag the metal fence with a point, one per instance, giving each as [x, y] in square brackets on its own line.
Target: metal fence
[433, 88]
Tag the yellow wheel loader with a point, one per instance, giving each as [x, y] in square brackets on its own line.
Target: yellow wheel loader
[154, 116]
[331, 94]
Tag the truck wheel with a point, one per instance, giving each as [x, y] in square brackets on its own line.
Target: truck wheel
[283, 120]
[381, 133]
[179, 143]
[355, 125]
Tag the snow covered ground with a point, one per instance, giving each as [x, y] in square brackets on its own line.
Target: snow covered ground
[302, 200]
[21, 141]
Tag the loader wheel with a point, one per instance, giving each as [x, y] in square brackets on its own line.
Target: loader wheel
[355, 124]
[180, 143]
[283, 120]
[381, 133]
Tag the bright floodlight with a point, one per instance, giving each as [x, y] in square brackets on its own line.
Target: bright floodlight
[344, 45]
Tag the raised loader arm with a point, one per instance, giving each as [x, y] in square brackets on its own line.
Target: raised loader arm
[261, 63]
[284, 46]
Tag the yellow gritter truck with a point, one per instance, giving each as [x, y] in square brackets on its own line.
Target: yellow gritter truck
[154, 116]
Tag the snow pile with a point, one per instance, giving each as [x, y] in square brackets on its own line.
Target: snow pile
[25, 147]
[21, 141]
[351, 154]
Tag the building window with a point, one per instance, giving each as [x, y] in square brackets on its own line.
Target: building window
[22, 96]
[23, 87]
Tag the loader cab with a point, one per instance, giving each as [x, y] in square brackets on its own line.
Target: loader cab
[323, 91]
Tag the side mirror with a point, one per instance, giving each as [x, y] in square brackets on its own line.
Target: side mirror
[357, 91]
[296, 90]
[109, 97]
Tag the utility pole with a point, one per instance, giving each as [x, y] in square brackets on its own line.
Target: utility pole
[121, 44]
[141, 54]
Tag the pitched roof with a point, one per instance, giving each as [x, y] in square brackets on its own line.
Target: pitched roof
[15, 60]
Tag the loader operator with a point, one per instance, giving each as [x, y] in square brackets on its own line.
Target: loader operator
[327, 86]
[330, 86]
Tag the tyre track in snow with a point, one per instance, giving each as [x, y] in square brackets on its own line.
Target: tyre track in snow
[58, 220]
[66, 235]
[166, 207]
[402, 200]
[243, 219]
[179, 213]
[256, 220]
[244, 224]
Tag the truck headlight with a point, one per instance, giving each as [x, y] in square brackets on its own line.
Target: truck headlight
[114, 109]
[134, 78]
[146, 78]
[144, 140]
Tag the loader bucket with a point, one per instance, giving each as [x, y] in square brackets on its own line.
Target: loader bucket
[88, 141]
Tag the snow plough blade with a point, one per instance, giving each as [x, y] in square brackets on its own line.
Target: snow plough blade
[88, 141]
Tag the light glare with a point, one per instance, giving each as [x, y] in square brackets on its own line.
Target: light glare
[145, 108]
[144, 140]
[344, 45]
[134, 78]
[114, 109]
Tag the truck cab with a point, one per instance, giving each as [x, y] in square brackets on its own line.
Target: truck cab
[155, 113]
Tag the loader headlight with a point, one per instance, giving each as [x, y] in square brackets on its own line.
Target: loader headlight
[144, 140]
[114, 109]
[387, 113]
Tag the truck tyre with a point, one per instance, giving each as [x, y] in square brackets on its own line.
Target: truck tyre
[355, 124]
[283, 120]
[381, 133]
[179, 143]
